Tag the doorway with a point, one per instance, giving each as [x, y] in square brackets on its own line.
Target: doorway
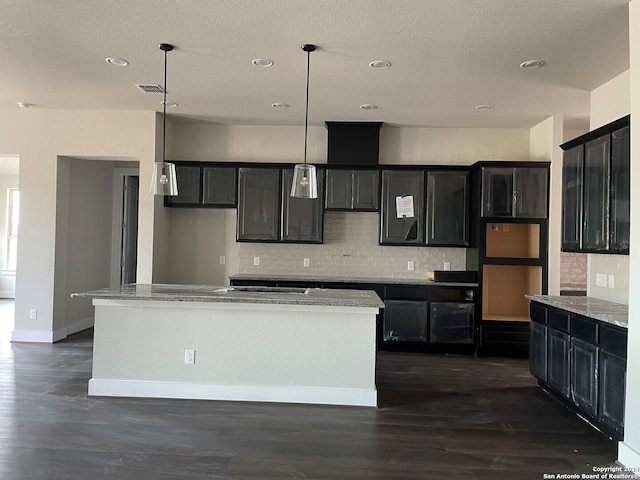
[129, 235]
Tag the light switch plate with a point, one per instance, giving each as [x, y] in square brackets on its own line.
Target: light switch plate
[411, 265]
[601, 279]
[256, 261]
[611, 281]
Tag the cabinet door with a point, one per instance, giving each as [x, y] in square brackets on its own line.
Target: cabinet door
[447, 208]
[188, 179]
[538, 350]
[595, 232]
[612, 373]
[366, 190]
[451, 322]
[584, 375]
[405, 321]
[301, 217]
[620, 187]
[258, 204]
[401, 187]
[339, 189]
[573, 161]
[530, 192]
[497, 192]
[219, 186]
[558, 361]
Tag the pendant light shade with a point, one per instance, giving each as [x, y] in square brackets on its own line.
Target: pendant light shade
[305, 182]
[163, 181]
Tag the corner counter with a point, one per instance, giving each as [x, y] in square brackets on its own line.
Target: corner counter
[235, 343]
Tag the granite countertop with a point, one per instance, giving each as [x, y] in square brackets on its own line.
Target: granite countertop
[322, 278]
[214, 293]
[603, 310]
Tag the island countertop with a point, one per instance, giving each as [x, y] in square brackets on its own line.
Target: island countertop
[603, 310]
[215, 293]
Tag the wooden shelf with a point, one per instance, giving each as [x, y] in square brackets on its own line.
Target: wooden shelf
[493, 317]
[513, 240]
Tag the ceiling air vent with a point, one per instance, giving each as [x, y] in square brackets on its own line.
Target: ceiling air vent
[150, 88]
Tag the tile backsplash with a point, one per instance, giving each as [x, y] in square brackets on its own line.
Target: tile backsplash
[351, 250]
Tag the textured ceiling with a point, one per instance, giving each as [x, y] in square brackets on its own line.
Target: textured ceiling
[447, 57]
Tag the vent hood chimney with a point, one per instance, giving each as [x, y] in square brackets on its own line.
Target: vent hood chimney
[353, 143]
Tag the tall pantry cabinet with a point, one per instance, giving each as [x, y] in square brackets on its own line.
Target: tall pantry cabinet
[510, 229]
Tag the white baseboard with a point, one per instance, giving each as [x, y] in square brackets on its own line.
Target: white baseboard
[629, 457]
[32, 336]
[153, 389]
[41, 336]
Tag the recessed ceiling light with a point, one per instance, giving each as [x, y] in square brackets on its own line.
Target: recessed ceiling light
[484, 107]
[118, 62]
[170, 104]
[262, 62]
[531, 64]
[379, 64]
[368, 106]
[280, 105]
[25, 104]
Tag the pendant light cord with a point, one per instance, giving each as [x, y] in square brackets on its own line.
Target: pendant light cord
[306, 113]
[164, 109]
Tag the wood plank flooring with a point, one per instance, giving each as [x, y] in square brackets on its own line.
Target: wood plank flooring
[440, 417]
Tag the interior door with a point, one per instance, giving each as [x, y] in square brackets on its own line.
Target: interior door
[129, 260]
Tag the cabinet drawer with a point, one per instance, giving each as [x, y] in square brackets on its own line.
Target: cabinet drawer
[614, 340]
[584, 329]
[558, 319]
[407, 293]
[538, 313]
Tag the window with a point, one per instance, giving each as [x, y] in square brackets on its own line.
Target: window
[13, 209]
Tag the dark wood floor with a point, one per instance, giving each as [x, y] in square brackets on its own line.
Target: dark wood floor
[440, 417]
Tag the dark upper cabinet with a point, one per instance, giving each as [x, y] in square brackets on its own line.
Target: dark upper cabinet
[519, 192]
[573, 163]
[595, 233]
[188, 179]
[620, 191]
[258, 216]
[204, 186]
[402, 215]
[448, 208]
[356, 190]
[219, 186]
[301, 217]
[596, 190]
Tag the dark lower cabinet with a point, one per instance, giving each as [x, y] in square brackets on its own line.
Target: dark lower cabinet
[451, 322]
[581, 362]
[584, 375]
[612, 373]
[558, 344]
[405, 321]
[538, 350]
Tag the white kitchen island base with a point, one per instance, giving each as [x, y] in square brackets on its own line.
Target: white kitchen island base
[263, 352]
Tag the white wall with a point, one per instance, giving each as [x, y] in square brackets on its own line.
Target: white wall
[40, 137]
[83, 240]
[608, 103]
[7, 282]
[629, 450]
[545, 139]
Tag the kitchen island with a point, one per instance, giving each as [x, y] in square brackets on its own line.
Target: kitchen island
[265, 344]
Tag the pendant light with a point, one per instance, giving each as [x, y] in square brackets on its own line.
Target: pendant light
[164, 180]
[305, 183]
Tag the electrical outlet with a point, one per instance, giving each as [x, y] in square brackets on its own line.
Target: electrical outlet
[223, 260]
[33, 314]
[601, 280]
[447, 266]
[493, 227]
[411, 265]
[610, 281]
[189, 357]
[305, 262]
[256, 261]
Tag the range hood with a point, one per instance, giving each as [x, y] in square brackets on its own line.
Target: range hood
[353, 143]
